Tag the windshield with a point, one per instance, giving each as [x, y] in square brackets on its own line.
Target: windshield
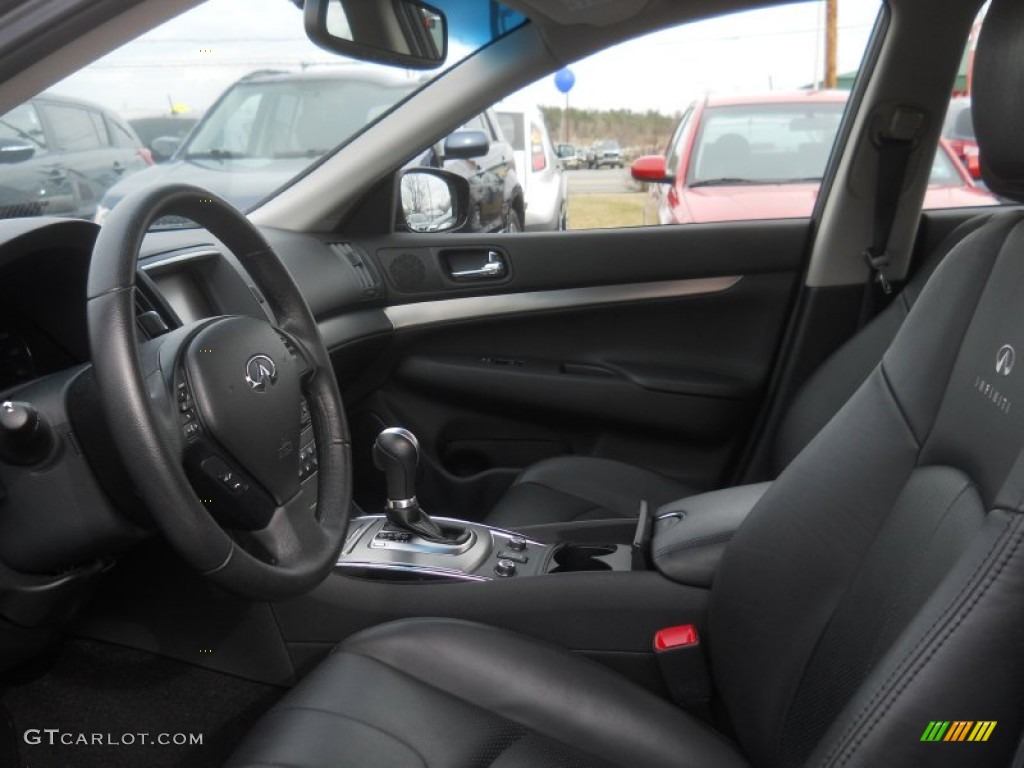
[765, 143]
[230, 96]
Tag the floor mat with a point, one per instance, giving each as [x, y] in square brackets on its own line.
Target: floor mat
[105, 705]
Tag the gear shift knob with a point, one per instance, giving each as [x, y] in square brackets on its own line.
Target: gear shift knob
[396, 453]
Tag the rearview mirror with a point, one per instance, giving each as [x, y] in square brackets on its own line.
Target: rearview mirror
[15, 151]
[404, 33]
[432, 200]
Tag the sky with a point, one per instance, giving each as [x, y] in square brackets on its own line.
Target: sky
[190, 60]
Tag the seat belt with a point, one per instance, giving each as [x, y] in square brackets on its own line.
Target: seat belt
[895, 145]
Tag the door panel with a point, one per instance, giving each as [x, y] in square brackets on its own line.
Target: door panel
[651, 346]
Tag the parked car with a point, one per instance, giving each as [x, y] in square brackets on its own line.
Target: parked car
[60, 156]
[479, 151]
[605, 154]
[763, 157]
[161, 134]
[234, 152]
[570, 157]
[540, 173]
[958, 131]
[263, 130]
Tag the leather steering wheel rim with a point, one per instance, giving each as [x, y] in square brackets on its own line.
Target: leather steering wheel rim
[135, 408]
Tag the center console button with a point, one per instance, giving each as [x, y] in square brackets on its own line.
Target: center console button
[505, 568]
[516, 544]
[515, 557]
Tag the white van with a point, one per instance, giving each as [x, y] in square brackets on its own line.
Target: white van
[540, 173]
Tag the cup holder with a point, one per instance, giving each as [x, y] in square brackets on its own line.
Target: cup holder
[581, 557]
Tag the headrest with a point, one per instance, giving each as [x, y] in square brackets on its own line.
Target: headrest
[998, 98]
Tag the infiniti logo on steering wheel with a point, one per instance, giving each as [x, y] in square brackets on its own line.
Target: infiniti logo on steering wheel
[260, 371]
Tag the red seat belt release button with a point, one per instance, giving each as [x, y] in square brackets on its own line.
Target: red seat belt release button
[676, 637]
[683, 666]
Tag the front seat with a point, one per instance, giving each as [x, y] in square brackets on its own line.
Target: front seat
[567, 489]
[878, 585]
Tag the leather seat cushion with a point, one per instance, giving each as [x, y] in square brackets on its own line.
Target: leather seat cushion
[441, 692]
[571, 488]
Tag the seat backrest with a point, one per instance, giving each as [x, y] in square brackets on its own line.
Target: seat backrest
[727, 157]
[835, 380]
[878, 586]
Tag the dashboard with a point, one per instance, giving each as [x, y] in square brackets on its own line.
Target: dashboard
[184, 276]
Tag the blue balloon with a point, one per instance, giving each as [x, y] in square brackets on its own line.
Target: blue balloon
[564, 80]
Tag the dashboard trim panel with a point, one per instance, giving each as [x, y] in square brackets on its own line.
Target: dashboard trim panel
[424, 313]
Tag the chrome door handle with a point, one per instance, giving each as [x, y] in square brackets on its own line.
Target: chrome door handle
[493, 267]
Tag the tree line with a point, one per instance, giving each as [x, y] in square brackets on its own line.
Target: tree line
[642, 132]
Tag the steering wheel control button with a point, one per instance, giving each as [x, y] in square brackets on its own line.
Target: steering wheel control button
[516, 544]
[247, 394]
[307, 461]
[505, 568]
[189, 419]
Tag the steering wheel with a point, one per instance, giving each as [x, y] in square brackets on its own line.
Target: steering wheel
[231, 428]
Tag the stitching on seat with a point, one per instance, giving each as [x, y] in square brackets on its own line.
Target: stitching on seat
[931, 642]
[342, 716]
[899, 406]
[886, 604]
[923, 547]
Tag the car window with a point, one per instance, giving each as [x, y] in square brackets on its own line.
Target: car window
[512, 126]
[121, 135]
[22, 124]
[260, 94]
[735, 108]
[477, 123]
[75, 129]
[677, 145]
[764, 143]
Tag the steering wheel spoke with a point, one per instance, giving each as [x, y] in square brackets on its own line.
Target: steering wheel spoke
[293, 528]
[304, 358]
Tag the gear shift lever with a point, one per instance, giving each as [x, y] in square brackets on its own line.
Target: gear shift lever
[396, 453]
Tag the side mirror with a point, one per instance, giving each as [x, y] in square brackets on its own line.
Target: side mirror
[15, 151]
[403, 33]
[164, 147]
[431, 200]
[651, 168]
[463, 145]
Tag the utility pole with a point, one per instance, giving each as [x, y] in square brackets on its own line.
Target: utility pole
[831, 41]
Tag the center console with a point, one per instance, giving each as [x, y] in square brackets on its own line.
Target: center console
[379, 549]
[407, 544]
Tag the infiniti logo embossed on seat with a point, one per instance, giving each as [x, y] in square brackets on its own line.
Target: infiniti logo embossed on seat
[1005, 358]
[260, 371]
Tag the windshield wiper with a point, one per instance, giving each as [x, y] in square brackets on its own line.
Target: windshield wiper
[300, 153]
[725, 181]
[214, 154]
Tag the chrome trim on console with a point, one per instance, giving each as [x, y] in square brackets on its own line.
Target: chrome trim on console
[471, 307]
[448, 573]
